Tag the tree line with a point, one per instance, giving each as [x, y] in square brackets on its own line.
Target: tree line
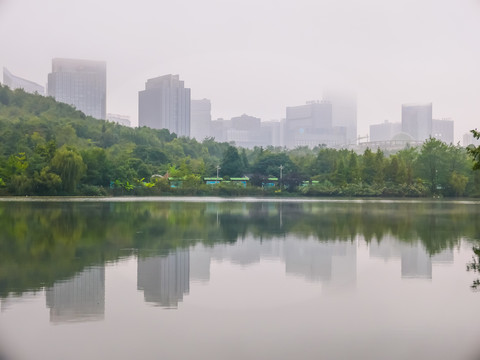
[50, 148]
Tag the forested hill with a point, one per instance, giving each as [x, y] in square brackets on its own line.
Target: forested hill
[49, 148]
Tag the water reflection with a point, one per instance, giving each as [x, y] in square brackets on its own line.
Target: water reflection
[164, 279]
[329, 262]
[81, 298]
[63, 247]
[416, 262]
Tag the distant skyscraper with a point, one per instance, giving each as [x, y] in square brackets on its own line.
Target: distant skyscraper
[246, 131]
[344, 113]
[15, 82]
[273, 132]
[200, 119]
[385, 131]
[468, 139]
[165, 104]
[80, 83]
[443, 130]
[312, 125]
[417, 121]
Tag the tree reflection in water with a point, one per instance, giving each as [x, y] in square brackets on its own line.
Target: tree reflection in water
[475, 267]
[45, 242]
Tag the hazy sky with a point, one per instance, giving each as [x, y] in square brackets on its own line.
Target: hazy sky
[259, 56]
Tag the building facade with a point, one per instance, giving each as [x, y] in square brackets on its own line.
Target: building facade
[312, 125]
[15, 82]
[385, 131]
[344, 113]
[80, 83]
[417, 121]
[443, 130]
[200, 119]
[468, 139]
[165, 104]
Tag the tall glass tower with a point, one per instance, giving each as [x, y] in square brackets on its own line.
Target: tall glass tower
[80, 83]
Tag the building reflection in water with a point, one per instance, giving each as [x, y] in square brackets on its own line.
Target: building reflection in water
[200, 259]
[81, 298]
[333, 263]
[246, 251]
[164, 279]
[415, 260]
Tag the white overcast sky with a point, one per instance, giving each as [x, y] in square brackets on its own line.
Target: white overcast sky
[259, 56]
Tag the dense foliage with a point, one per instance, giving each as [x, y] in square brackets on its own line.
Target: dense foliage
[49, 148]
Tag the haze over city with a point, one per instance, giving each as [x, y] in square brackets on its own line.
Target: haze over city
[260, 57]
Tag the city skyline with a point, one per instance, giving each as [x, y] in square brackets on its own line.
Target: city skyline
[258, 60]
[166, 104]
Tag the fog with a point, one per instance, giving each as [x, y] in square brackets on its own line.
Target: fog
[257, 57]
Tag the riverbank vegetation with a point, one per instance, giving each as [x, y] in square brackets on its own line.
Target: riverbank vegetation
[49, 148]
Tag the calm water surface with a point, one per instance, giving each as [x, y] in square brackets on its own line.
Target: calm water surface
[238, 279]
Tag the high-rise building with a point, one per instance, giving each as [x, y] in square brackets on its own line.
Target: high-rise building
[443, 130]
[344, 113]
[165, 104]
[200, 119]
[385, 131]
[273, 132]
[15, 82]
[80, 83]
[246, 131]
[312, 125]
[417, 121]
[468, 139]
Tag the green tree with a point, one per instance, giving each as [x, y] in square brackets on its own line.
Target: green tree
[352, 171]
[324, 165]
[340, 175]
[407, 158]
[368, 166]
[474, 151]
[268, 164]
[98, 167]
[432, 164]
[232, 164]
[458, 182]
[69, 165]
[379, 176]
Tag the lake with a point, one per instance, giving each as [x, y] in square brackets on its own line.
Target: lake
[209, 278]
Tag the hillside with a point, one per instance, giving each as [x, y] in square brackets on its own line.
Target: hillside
[50, 148]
